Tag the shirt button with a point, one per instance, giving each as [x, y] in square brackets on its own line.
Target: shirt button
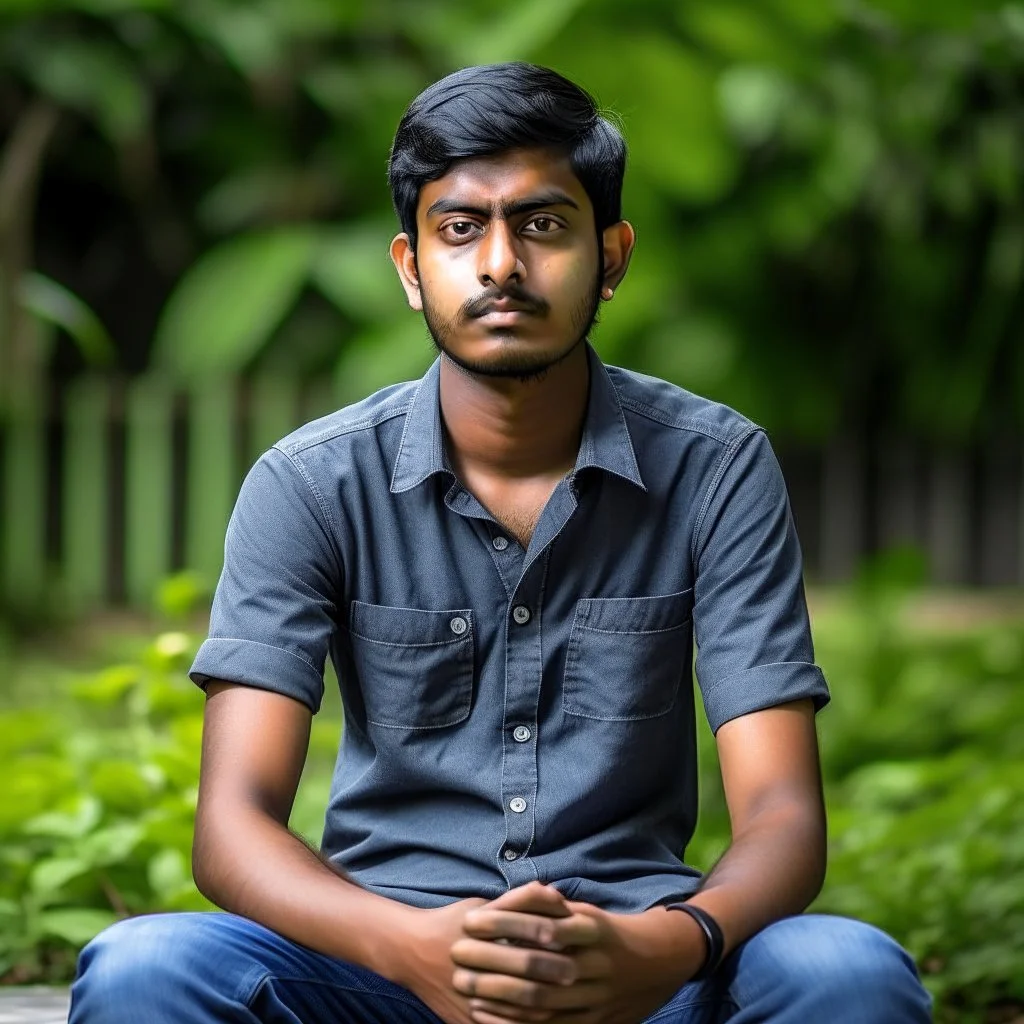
[458, 625]
[517, 804]
[500, 543]
[521, 614]
[521, 734]
[511, 855]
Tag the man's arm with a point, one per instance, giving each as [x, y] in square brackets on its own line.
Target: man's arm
[775, 864]
[246, 861]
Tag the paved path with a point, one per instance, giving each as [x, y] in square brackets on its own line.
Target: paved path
[33, 1006]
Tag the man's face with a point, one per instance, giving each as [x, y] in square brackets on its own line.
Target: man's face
[508, 262]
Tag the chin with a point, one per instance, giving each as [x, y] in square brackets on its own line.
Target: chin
[505, 353]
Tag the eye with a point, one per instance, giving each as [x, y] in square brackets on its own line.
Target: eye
[544, 225]
[458, 230]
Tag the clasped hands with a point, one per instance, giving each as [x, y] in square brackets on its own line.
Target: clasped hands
[531, 955]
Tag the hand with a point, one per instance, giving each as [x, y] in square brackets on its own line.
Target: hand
[424, 965]
[582, 964]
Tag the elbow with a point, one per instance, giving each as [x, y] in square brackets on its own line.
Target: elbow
[202, 872]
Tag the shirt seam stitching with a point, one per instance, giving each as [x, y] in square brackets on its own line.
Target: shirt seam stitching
[664, 418]
[329, 523]
[351, 428]
[724, 463]
[272, 647]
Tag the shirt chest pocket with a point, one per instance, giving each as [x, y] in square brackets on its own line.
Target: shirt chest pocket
[415, 667]
[626, 656]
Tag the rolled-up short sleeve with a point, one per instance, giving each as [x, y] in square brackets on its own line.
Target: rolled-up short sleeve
[750, 619]
[274, 609]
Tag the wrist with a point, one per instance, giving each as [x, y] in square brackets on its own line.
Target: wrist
[391, 945]
[714, 940]
[673, 943]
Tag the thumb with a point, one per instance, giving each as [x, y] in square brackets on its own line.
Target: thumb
[534, 898]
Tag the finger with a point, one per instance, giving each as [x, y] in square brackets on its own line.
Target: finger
[592, 964]
[495, 1011]
[550, 933]
[508, 924]
[533, 898]
[517, 961]
[530, 994]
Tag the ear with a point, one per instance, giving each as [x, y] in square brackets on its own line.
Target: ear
[618, 242]
[403, 255]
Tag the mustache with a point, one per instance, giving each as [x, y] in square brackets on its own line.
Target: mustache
[481, 304]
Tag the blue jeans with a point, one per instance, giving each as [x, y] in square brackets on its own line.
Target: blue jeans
[215, 968]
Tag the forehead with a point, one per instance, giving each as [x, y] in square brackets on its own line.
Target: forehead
[502, 177]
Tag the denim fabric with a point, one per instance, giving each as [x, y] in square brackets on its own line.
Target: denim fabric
[518, 714]
[222, 969]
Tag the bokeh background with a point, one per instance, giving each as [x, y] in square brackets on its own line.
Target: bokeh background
[194, 223]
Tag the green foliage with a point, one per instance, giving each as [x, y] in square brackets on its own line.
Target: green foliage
[921, 755]
[97, 817]
[826, 194]
[100, 796]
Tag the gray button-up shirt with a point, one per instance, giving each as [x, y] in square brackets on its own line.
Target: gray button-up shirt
[518, 714]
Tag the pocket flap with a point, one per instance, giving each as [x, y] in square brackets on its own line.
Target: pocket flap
[409, 627]
[635, 614]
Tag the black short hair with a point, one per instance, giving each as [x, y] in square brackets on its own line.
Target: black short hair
[493, 108]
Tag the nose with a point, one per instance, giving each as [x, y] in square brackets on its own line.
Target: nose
[500, 261]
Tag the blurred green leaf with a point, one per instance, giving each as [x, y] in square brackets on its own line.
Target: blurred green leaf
[70, 824]
[107, 686]
[77, 926]
[230, 303]
[392, 352]
[54, 304]
[512, 33]
[50, 876]
[345, 270]
[94, 78]
[753, 101]
[181, 594]
[168, 872]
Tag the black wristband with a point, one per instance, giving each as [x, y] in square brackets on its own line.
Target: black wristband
[712, 935]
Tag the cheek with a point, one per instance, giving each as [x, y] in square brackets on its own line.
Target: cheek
[576, 278]
[448, 280]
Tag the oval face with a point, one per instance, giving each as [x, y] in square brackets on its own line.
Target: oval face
[508, 261]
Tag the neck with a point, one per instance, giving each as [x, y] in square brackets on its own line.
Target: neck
[504, 427]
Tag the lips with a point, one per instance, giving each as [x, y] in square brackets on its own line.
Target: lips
[504, 306]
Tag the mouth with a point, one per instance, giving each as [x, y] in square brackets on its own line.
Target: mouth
[502, 312]
[503, 316]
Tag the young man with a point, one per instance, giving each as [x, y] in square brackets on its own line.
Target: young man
[508, 561]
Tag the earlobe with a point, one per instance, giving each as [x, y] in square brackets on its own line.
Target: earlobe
[403, 255]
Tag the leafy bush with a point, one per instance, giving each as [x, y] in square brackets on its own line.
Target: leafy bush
[922, 759]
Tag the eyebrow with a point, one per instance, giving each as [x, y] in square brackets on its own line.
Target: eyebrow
[504, 208]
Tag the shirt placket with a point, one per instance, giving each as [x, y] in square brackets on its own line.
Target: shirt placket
[524, 671]
[523, 574]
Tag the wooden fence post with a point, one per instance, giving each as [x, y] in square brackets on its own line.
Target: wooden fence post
[273, 412]
[85, 501]
[149, 499]
[212, 476]
[23, 569]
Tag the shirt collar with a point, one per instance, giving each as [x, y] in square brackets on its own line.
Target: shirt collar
[605, 444]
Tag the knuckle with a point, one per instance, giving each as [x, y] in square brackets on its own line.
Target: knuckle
[534, 994]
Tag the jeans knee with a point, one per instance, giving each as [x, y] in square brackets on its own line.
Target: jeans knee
[122, 971]
[853, 970]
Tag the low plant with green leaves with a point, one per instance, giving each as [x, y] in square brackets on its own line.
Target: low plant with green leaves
[922, 760]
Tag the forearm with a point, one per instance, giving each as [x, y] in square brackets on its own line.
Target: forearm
[773, 869]
[251, 865]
